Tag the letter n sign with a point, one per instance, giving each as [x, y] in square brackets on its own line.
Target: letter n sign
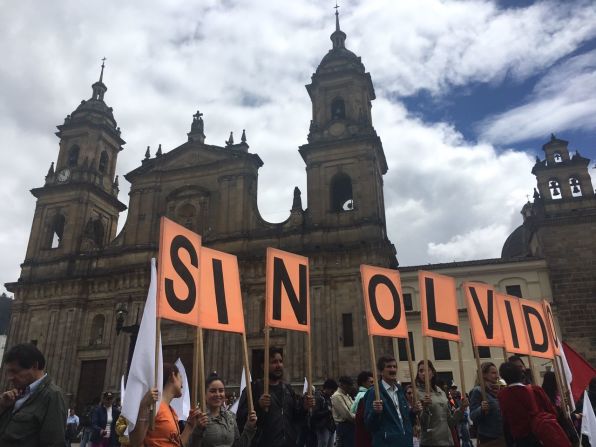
[383, 302]
[178, 273]
[287, 291]
[438, 306]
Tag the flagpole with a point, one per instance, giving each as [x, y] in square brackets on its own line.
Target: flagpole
[248, 388]
[411, 368]
[426, 368]
[374, 367]
[156, 369]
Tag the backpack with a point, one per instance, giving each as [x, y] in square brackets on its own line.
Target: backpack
[544, 424]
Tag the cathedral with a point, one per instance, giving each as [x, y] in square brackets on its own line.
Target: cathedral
[83, 285]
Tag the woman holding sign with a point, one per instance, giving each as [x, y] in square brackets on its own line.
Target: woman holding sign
[436, 419]
[218, 427]
[485, 411]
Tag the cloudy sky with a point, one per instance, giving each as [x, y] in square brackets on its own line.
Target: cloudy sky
[467, 93]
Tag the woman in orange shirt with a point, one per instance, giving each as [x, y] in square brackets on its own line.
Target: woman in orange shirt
[166, 432]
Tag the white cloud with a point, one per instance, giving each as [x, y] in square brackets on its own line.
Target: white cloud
[562, 100]
[245, 63]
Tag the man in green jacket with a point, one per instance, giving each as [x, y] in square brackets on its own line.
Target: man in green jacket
[33, 413]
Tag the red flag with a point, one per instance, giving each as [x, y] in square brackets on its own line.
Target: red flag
[581, 371]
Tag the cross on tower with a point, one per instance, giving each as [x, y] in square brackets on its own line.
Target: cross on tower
[197, 116]
[336, 7]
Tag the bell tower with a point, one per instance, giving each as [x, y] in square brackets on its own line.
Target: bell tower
[344, 157]
[77, 208]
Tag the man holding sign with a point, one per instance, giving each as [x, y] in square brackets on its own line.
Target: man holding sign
[281, 413]
[388, 419]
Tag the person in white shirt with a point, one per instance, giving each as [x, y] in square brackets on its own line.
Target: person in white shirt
[103, 422]
[72, 426]
[341, 402]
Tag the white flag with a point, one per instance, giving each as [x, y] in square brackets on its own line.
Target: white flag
[567, 374]
[141, 377]
[234, 407]
[181, 405]
[305, 387]
[588, 420]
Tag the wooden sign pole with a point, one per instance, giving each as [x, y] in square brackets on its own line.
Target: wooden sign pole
[309, 390]
[411, 367]
[531, 364]
[201, 371]
[195, 368]
[251, 405]
[504, 354]
[479, 371]
[374, 367]
[266, 362]
[394, 342]
[426, 368]
[156, 369]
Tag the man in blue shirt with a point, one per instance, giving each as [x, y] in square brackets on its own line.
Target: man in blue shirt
[388, 419]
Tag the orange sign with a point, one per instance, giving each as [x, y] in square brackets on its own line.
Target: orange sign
[535, 320]
[483, 314]
[551, 327]
[438, 306]
[177, 289]
[287, 291]
[512, 323]
[220, 303]
[385, 314]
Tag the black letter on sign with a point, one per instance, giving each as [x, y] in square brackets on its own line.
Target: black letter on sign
[488, 321]
[551, 321]
[433, 323]
[280, 275]
[182, 305]
[512, 324]
[542, 347]
[220, 292]
[372, 296]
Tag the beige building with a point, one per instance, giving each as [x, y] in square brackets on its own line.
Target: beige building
[82, 286]
[527, 278]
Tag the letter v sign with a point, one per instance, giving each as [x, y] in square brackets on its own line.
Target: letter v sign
[483, 314]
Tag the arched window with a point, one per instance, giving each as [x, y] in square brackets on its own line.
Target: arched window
[341, 194]
[97, 326]
[103, 162]
[73, 156]
[56, 230]
[338, 109]
[555, 189]
[94, 231]
[558, 158]
[576, 189]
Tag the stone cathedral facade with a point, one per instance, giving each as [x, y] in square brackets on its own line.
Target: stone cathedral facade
[81, 281]
[78, 273]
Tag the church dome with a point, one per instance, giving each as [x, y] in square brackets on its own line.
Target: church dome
[517, 244]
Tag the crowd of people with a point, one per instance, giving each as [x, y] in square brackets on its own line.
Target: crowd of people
[506, 410]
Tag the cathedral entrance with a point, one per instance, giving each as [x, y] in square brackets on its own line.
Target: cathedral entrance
[91, 381]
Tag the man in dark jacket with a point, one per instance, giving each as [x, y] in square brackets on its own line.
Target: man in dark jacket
[33, 413]
[388, 419]
[103, 422]
[281, 413]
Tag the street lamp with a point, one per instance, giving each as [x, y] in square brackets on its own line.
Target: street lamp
[132, 330]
